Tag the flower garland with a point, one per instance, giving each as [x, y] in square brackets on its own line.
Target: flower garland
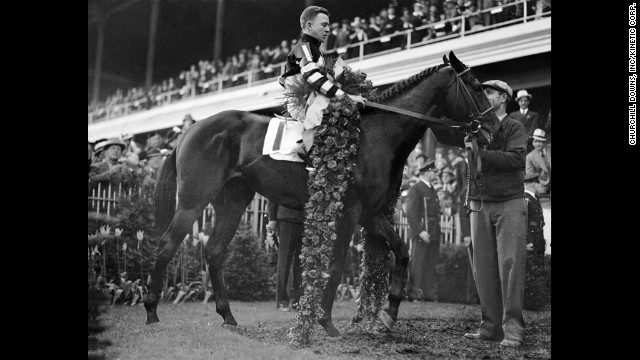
[375, 266]
[333, 156]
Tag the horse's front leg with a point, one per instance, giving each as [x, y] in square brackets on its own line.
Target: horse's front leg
[380, 230]
[344, 232]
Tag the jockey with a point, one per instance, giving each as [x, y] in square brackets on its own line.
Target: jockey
[303, 64]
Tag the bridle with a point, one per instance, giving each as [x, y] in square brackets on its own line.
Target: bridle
[470, 128]
[460, 83]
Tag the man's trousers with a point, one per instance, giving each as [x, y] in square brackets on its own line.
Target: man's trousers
[498, 235]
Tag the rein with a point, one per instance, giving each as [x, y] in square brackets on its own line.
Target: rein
[473, 126]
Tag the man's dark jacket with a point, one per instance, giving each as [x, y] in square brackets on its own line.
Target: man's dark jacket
[502, 164]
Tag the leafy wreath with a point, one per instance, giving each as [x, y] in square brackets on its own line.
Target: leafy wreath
[333, 156]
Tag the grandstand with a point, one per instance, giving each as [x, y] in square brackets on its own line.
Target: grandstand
[514, 46]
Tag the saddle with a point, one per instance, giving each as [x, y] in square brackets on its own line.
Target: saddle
[283, 139]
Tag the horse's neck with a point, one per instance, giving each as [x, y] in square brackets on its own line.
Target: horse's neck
[420, 99]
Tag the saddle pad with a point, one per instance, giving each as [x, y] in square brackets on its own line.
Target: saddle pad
[281, 139]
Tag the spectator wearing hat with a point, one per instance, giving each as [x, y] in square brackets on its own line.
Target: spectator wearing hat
[530, 119]
[416, 160]
[187, 121]
[156, 140]
[172, 136]
[358, 35]
[538, 162]
[418, 18]
[109, 171]
[499, 225]
[131, 152]
[449, 181]
[98, 153]
[423, 216]
[535, 233]
[153, 160]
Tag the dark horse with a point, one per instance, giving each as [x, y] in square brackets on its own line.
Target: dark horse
[219, 161]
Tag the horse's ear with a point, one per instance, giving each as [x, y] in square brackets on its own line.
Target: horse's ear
[457, 65]
[444, 58]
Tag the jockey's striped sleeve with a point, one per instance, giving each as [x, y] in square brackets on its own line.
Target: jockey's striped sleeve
[311, 73]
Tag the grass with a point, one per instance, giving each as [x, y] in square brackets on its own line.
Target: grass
[423, 331]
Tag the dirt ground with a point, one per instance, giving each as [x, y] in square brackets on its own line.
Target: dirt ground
[424, 330]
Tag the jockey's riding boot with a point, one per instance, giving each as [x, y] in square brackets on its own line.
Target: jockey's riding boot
[301, 151]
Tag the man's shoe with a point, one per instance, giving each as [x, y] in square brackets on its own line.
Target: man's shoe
[477, 336]
[510, 343]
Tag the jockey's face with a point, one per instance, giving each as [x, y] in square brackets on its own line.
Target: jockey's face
[319, 27]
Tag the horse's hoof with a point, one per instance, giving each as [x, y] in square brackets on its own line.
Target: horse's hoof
[230, 322]
[151, 320]
[386, 320]
[332, 331]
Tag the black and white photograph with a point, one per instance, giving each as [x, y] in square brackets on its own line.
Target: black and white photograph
[321, 179]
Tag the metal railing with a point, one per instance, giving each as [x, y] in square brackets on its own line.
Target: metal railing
[455, 27]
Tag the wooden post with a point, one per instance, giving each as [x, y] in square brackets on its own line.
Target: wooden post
[217, 46]
[152, 42]
[97, 69]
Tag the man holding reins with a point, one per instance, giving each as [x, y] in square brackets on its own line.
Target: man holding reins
[499, 225]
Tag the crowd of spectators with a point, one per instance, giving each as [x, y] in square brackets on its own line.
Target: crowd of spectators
[118, 160]
[263, 62]
[450, 181]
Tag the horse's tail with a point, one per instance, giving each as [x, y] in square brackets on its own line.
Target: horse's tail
[165, 194]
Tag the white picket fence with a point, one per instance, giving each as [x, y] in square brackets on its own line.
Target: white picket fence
[104, 200]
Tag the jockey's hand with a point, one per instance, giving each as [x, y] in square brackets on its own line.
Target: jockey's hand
[425, 237]
[357, 98]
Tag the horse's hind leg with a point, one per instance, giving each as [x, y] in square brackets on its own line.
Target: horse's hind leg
[229, 205]
[181, 225]
[379, 229]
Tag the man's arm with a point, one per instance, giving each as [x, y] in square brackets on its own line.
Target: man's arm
[311, 73]
[530, 168]
[96, 175]
[514, 156]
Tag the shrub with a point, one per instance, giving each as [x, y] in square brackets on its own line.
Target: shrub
[248, 274]
[537, 288]
[451, 273]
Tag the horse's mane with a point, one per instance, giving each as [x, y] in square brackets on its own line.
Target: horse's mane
[400, 86]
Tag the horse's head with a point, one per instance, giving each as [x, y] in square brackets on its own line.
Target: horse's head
[468, 105]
